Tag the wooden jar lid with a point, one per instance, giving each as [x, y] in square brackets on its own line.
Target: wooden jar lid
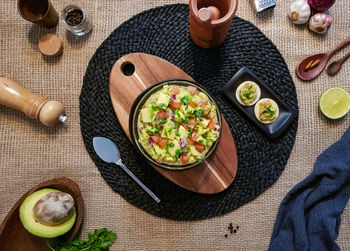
[50, 45]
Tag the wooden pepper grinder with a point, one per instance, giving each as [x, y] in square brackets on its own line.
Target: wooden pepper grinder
[34, 106]
[210, 21]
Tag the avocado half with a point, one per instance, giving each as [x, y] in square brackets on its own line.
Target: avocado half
[36, 228]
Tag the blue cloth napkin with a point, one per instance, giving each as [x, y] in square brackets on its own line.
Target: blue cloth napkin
[309, 215]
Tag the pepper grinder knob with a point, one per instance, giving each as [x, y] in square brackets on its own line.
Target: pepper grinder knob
[207, 14]
[34, 106]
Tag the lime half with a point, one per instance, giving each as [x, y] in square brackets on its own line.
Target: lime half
[335, 102]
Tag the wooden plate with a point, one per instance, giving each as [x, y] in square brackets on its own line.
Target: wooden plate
[135, 72]
[13, 236]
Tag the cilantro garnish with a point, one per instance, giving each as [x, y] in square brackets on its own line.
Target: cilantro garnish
[100, 240]
[169, 145]
[199, 113]
[177, 133]
[270, 110]
[190, 133]
[185, 100]
[154, 108]
[180, 151]
[160, 121]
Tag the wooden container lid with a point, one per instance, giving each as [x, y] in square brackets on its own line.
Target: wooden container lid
[50, 45]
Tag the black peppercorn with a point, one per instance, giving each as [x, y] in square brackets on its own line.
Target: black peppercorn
[74, 17]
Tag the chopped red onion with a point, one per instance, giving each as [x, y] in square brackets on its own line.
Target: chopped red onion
[173, 98]
[211, 103]
[183, 142]
[150, 141]
[215, 129]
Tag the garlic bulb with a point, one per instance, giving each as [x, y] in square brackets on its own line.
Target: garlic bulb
[320, 23]
[300, 12]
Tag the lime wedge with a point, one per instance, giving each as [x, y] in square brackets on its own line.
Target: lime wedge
[335, 102]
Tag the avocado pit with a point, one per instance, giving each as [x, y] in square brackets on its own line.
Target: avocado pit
[54, 208]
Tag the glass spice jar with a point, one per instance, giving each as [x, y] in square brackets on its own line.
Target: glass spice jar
[76, 20]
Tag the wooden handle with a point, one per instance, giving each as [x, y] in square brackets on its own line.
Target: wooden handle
[34, 106]
[339, 46]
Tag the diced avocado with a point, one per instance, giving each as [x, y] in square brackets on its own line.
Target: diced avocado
[151, 130]
[163, 99]
[158, 150]
[164, 133]
[172, 133]
[147, 114]
[183, 132]
[204, 122]
[173, 149]
[201, 140]
[189, 111]
[194, 151]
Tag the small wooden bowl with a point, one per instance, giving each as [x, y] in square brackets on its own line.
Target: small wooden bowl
[13, 236]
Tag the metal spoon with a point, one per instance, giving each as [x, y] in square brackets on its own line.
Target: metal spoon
[108, 152]
[335, 67]
[309, 74]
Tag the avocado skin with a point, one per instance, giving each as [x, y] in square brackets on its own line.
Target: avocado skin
[27, 217]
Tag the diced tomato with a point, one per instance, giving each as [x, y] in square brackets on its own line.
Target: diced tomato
[206, 113]
[161, 115]
[161, 142]
[199, 147]
[155, 138]
[190, 141]
[175, 90]
[194, 136]
[193, 104]
[204, 102]
[184, 158]
[191, 89]
[211, 124]
[174, 105]
[191, 125]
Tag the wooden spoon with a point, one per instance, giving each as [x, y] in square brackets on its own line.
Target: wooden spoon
[335, 67]
[309, 74]
[13, 235]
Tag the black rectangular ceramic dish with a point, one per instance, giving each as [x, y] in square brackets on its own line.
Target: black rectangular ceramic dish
[286, 113]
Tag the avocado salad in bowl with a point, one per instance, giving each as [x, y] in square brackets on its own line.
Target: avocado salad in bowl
[175, 124]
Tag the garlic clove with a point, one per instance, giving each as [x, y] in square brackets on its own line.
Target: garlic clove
[54, 208]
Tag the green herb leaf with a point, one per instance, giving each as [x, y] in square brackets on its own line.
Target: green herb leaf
[190, 133]
[180, 151]
[161, 105]
[100, 240]
[154, 108]
[199, 113]
[160, 121]
[177, 133]
[185, 100]
[169, 145]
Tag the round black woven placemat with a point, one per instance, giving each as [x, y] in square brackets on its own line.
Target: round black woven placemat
[163, 32]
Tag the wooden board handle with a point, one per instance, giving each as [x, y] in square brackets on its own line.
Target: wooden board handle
[34, 106]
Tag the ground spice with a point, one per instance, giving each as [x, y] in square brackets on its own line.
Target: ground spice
[74, 17]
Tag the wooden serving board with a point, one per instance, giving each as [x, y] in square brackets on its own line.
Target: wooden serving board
[135, 72]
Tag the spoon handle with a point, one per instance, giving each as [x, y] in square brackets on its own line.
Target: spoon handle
[343, 59]
[339, 46]
[119, 163]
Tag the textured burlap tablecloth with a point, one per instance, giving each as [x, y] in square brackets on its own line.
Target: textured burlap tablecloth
[31, 153]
